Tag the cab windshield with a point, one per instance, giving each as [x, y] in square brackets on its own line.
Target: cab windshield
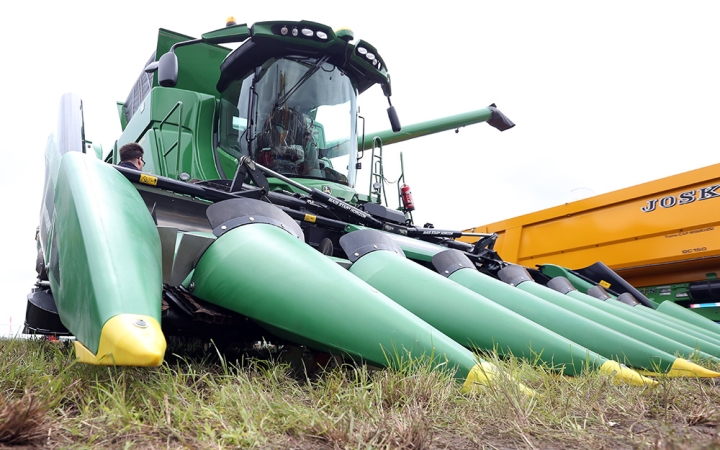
[295, 116]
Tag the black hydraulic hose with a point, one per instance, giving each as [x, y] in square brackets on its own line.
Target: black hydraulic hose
[181, 187]
[294, 206]
[337, 204]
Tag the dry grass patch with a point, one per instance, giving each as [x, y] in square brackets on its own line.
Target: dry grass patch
[218, 403]
[23, 421]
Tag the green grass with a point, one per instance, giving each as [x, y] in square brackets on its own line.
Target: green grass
[50, 401]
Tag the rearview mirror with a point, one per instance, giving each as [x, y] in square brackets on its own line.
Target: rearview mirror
[394, 120]
[168, 70]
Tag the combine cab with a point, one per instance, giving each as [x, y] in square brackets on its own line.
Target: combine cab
[245, 227]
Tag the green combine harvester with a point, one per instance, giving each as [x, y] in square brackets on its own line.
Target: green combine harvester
[245, 227]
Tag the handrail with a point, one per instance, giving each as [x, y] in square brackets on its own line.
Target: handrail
[178, 106]
[376, 171]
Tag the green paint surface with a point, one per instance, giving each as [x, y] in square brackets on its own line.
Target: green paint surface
[263, 272]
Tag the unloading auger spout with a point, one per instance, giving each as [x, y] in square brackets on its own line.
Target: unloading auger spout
[491, 114]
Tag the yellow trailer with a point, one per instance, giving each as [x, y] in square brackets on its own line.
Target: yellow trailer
[663, 237]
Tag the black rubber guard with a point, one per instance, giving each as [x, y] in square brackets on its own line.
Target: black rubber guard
[514, 275]
[359, 243]
[561, 284]
[242, 211]
[449, 261]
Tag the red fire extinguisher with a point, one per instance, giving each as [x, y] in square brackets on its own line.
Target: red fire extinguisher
[407, 199]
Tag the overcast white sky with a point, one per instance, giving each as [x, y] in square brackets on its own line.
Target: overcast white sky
[604, 94]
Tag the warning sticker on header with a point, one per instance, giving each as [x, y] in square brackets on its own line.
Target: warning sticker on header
[148, 179]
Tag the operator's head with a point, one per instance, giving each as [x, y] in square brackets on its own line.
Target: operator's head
[132, 153]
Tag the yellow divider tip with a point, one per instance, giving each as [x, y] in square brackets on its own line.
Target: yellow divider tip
[623, 374]
[684, 368]
[127, 340]
[486, 374]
